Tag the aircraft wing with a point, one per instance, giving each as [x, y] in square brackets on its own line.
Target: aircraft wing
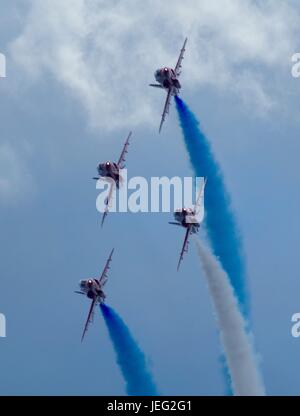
[90, 317]
[185, 246]
[104, 277]
[107, 203]
[166, 109]
[178, 65]
[121, 162]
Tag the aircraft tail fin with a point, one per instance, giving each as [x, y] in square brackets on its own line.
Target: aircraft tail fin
[155, 85]
[175, 223]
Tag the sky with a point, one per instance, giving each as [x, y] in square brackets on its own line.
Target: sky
[77, 82]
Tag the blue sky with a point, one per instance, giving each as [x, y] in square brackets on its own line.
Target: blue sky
[72, 93]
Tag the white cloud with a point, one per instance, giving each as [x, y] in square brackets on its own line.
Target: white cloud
[105, 53]
[15, 179]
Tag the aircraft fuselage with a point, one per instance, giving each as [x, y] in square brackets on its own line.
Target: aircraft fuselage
[186, 218]
[109, 170]
[167, 78]
[92, 289]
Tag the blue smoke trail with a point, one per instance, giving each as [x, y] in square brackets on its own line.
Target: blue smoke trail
[220, 223]
[130, 358]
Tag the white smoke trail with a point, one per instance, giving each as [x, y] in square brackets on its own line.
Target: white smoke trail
[239, 353]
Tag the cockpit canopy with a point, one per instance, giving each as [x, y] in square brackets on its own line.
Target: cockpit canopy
[157, 73]
[85, 283]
